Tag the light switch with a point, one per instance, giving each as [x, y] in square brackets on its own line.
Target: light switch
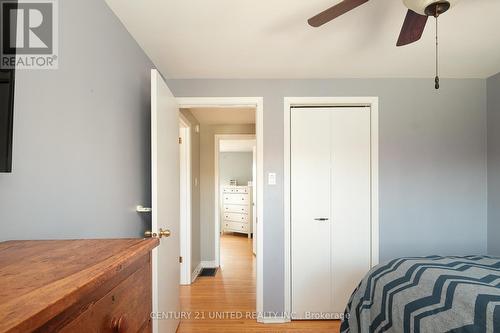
[195, 181]
[271, 178]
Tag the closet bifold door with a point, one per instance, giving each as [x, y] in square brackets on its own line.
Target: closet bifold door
[350, 201]
[330, 207]
[311, 227]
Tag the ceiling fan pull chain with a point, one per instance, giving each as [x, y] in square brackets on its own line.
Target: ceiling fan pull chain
[436, 79]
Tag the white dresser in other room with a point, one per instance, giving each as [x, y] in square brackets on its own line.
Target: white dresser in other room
[237, 209]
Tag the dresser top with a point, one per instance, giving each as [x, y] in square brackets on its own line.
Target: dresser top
[40, 279]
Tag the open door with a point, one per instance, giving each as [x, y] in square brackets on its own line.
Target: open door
[165, 204]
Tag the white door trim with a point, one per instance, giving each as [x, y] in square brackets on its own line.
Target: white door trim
[231, 102]
[186, 197]
[289, 102]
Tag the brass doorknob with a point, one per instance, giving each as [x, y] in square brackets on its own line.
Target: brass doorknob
[164, 233]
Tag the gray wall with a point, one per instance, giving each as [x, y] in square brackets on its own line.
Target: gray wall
[81, 149]
[81, 154]
[195, 190]
[207, 182]
[237, 166]
[494, 165]
[433, 163]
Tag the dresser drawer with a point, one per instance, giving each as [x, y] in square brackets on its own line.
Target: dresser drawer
[235, 226]
[236, 209]
[236, 217]
[238, 199]
[236, 190]
[125, 309]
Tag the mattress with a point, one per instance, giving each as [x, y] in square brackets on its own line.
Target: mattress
[427, 294]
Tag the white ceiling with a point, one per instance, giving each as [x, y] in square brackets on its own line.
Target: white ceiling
[224, 116]
[271, 39]
[231, 146]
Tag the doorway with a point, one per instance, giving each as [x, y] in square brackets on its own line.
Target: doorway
[235, 184]
[227, 103]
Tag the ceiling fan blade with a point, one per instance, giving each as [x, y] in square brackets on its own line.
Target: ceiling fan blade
[334, 12]
[412, 29]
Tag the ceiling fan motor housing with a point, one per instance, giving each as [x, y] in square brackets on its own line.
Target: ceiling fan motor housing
[429, 7]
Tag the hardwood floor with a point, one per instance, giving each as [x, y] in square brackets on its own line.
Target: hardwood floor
[232, 293]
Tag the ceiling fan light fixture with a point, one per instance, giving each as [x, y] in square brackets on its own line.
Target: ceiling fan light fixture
[429, 7]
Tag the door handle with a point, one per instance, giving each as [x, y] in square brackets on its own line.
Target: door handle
[141, 209]
[160, 234]
[164, 233]
[321, 219]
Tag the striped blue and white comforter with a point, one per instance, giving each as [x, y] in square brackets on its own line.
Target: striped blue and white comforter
[431, 294]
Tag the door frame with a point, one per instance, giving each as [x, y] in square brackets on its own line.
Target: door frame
[254, 199]
[290, 102]
[258, 103]
[185, 200]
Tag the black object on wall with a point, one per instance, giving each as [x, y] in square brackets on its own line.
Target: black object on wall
[6, 118]
[7, 76]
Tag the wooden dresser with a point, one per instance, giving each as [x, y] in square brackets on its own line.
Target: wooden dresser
[237, 209]
[76, 286]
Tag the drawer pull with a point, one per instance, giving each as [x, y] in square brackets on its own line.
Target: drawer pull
[119, 325]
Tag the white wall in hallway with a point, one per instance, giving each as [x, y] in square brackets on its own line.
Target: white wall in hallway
[195, 190]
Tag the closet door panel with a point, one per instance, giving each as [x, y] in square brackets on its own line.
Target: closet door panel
[310, 202]
[350, 200]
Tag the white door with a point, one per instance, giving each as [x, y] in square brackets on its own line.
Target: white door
[165, 201]
[351, 201]
[330, 207]
[310, 212]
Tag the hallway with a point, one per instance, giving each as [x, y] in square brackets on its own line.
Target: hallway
[226, 302]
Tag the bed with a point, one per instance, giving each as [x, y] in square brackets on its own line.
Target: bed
[427, 294]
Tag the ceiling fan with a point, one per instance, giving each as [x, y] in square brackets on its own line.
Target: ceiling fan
[413, 26]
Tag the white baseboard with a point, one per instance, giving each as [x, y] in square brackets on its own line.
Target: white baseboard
[208, 264]
[196, 272]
